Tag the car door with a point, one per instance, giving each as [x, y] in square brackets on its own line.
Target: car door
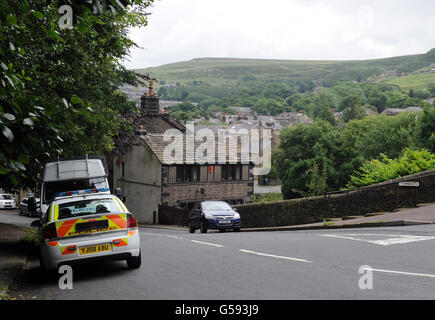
[23, 207]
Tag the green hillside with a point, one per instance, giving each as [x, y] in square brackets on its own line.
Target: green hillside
[220, 71]
[413, 81]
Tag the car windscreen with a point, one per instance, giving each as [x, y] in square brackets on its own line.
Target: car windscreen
[215, 206]
[6, 197]
[87, 207]
[52, 188]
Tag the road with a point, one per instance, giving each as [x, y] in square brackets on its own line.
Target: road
[257, 265]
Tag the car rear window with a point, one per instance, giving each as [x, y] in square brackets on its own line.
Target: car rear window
[87, 207]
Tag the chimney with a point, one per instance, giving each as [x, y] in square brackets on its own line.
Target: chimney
[149, 104]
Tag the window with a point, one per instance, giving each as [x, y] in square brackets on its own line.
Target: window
[51, 188]
[86, 207]
[231, 172]
[188, 173]
[224, 172]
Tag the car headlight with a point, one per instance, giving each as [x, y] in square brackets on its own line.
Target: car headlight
[236, 216]
[208, 216]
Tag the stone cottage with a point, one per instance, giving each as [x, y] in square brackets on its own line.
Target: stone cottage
[147, 180]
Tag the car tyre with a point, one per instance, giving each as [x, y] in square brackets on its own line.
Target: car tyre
[134, 262]
[42, 264]
[203, 227]
[191, 228]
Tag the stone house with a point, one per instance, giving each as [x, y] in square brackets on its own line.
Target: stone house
[292, 118]
[149, 181]
[396, 111]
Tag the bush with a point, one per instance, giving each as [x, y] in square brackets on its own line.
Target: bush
[376, 171]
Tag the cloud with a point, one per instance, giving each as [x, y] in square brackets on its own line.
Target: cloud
[282, 29]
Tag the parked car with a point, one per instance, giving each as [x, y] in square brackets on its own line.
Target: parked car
[86, 225]
[24, 208]
[7, 201]
[214, 215]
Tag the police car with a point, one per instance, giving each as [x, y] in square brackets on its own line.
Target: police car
[88, 225]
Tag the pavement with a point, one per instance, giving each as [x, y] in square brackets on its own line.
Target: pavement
[14, 253]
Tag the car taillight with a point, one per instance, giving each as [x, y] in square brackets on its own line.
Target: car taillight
[49, 231]
[131, 221]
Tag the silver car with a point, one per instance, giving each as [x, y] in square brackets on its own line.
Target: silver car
[7, 201]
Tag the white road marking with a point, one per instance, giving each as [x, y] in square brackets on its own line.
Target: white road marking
[153, 234]
[395, 239]
[402, 273]
[161, 235]
[208, 243]
[174, 237]
[274, 256]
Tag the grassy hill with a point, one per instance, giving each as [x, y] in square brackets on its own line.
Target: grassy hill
[413, 81]
[228, 71]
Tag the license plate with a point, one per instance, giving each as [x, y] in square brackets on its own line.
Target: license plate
[95, 249]
[224, 222]
[93, 225]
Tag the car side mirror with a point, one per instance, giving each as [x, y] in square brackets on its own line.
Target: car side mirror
[234, 209]
[36, 224]
[118, 193]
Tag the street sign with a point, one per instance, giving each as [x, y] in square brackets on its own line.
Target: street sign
[409, 184]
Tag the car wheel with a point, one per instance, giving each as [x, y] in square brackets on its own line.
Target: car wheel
[20, 212]
[191, 228]
[203, 227]
[134, 262]
[42, 264]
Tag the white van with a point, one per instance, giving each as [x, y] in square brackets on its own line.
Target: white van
[65, 176]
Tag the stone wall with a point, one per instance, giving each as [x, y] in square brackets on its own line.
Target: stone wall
[386, 196]
[173, 215]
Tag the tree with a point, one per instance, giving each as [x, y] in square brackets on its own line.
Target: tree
[59, 89]
[384, 169]
[318, 178]
[303, 146]
[431, 89]
[270, 107]
[352, 110]
[324, 113]
[425, 130]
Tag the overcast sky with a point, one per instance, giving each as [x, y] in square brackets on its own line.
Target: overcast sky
[181, 30]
